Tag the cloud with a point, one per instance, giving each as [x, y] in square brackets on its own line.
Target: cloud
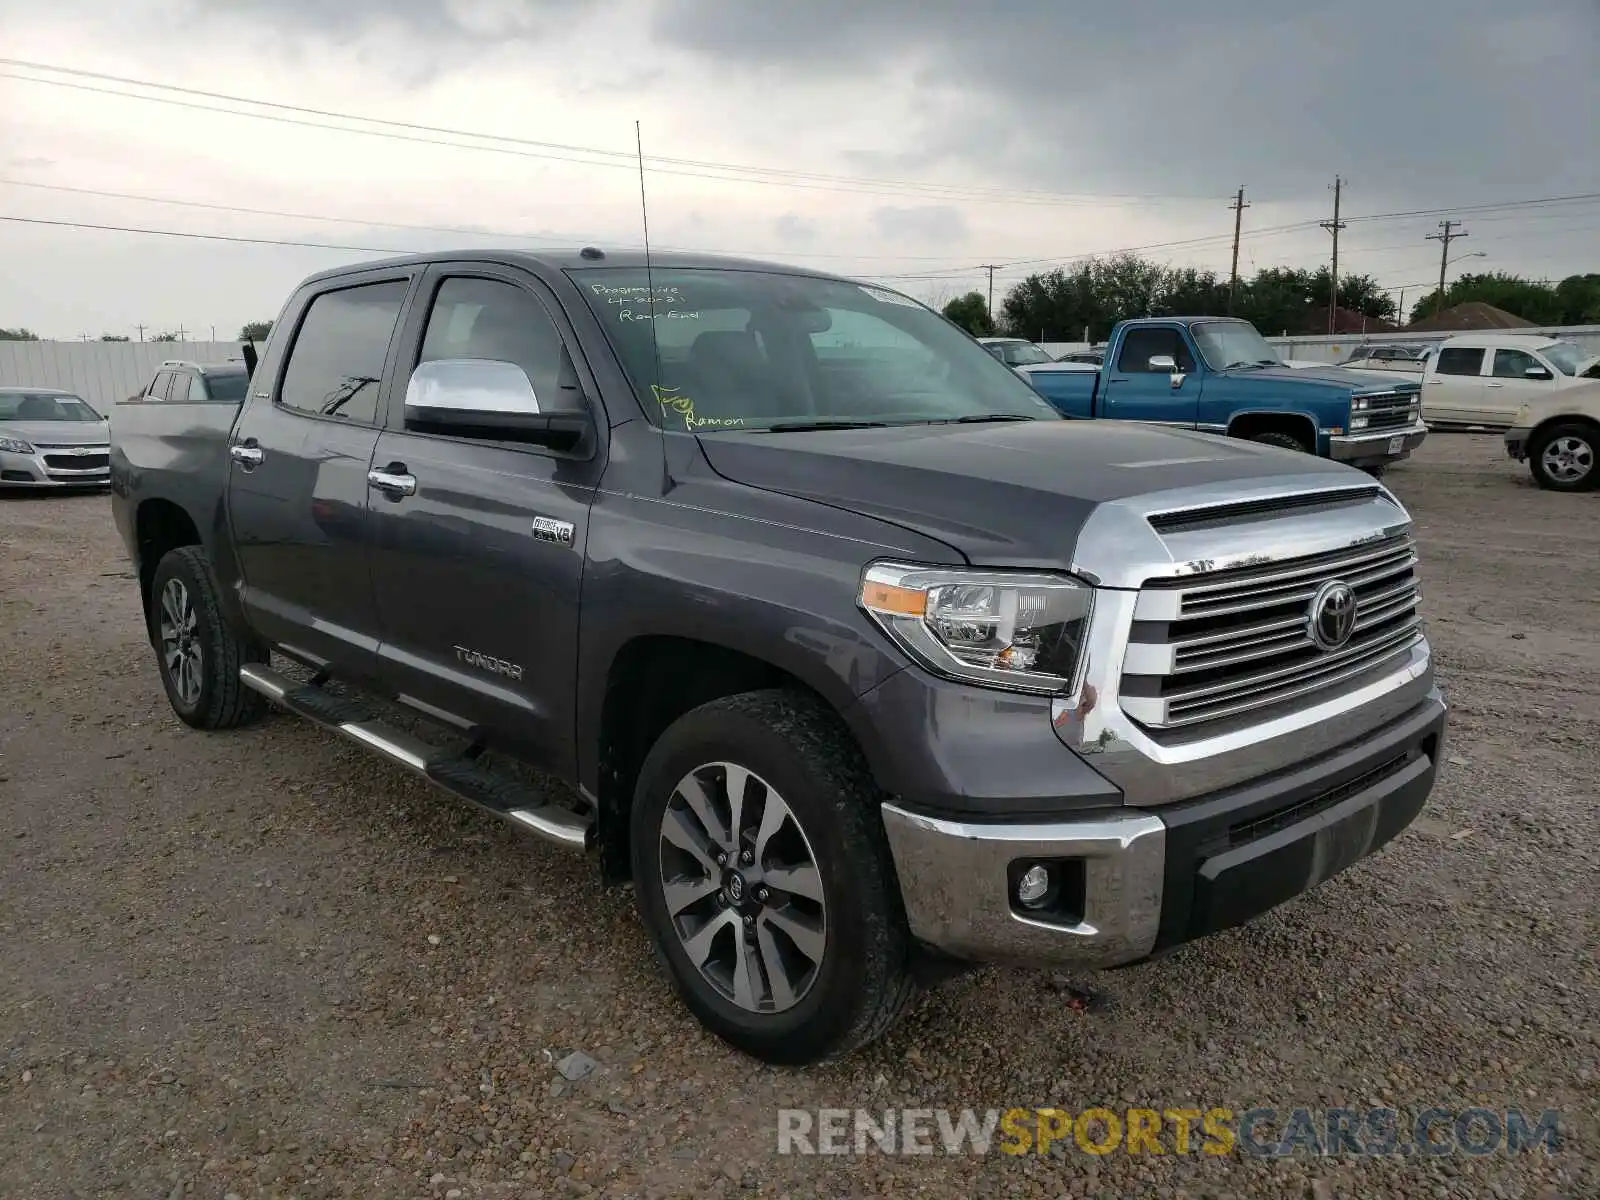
[30, 163]
[793, 229]
[940, 223]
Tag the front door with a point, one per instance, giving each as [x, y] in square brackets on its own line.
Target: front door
[1133, 390]
[1509, 385]
[1453, 391]
[297, 477]
[478, 558]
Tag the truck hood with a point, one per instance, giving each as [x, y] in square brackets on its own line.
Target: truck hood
[1334, 377]
[58, 433]
[1009, 493]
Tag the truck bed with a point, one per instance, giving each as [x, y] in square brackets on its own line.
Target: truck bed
[1069, 387]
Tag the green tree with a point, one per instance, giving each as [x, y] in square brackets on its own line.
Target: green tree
[112, 337]
[18, 335]
[970, 312]
[1530, 299]
[1579, 296]
[256, 331]
[165, 337]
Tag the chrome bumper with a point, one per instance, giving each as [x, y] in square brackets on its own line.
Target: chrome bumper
[953, 878]
[1364, 447]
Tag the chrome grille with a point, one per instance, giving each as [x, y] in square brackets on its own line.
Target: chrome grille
[1388, 410]
[1208, 648]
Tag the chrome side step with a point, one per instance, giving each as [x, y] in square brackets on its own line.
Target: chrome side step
[462, 775]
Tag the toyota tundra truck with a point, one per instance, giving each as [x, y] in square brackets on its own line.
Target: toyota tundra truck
[779, 597]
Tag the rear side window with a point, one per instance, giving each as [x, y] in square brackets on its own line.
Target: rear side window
[1459, 360]
[158, 386]
[336, 364]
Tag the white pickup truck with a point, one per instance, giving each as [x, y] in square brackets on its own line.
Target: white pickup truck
[1483, 379]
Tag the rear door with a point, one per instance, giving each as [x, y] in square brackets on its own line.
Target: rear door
[1453, 390]
[300, 453]
[1133, 390]
[478, 558]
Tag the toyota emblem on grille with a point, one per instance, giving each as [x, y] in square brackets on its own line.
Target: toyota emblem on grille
[1333, 614]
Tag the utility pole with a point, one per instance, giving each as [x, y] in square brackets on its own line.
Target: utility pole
[182, 333]
[1400, 311]
[1333, 227]
[1448, 232]
[140, 328]
[1238, 207]
[990, 267]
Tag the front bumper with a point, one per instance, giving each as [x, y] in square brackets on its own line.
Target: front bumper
[1517, 444]
[1131, 883]
[1388, 445]
[56, 467]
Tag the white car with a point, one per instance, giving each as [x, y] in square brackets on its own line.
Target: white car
[1558, 436]
[1015, 352]
[1482, 379]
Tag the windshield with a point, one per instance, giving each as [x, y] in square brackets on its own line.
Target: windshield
[1564, 357]
[1225, 344]
[22, 406]
[1024, 354]
[227, 385]
[754, 350]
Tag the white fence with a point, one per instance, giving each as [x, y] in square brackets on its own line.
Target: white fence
[101, 372]
[1324, 348]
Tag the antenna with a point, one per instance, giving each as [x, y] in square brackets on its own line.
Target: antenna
[649, 273]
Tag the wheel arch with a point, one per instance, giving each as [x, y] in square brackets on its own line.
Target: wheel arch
[1257, 421]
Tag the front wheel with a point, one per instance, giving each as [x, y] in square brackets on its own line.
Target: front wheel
[764, 877]
[1287, 441]
[198, 651]
[1562, 457]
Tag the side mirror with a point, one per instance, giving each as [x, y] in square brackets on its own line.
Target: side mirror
[489, 400]
[1163, 362]
[1537, 373]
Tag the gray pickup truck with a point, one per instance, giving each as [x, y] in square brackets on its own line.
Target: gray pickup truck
[797, 610]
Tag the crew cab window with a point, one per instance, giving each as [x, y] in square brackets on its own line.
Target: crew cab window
[157, 391]
[489, 319]
[1139, 346]
[336, 363]
[197, 389]
[1459, 360]
[1515, 364]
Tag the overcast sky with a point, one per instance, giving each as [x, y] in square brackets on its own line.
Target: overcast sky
[871, 137]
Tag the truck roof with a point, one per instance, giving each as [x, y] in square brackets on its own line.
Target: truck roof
[556, 259]
[1518, 341]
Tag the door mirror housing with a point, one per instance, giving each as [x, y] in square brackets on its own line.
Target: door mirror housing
[1164, 362]
[1538, 373]
[491, 401]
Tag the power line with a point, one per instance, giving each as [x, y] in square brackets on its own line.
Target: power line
[599, 156]
[206, 237]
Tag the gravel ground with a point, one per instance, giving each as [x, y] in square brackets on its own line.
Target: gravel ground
[264, 964]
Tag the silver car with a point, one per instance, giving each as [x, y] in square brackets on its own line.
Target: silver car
[51, 439]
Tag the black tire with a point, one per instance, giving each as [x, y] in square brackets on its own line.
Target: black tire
[221, 701]
[1583, 439]
[1377, 471]
[799, 748]
[1287, 441]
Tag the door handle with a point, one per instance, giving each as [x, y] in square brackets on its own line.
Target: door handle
[1494, 385]
[248, 457]
[393, 481]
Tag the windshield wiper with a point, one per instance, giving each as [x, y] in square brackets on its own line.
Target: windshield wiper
[976, 417]
[811, 426]
[1243, 363]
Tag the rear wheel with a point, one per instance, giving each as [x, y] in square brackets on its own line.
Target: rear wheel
[1562, 458]
[198, 651]
[764, 878]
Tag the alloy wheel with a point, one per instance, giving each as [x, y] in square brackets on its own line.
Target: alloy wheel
[1567, 458]
[180, 641]
[742, 888]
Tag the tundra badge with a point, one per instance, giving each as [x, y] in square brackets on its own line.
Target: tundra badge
[548, 529]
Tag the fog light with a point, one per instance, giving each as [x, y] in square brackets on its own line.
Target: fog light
[1034, 886]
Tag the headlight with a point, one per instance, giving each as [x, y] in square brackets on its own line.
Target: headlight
[15, 445]
[1005, 629]
[1358, 422]
[1360, 404]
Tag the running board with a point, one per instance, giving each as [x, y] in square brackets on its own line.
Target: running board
[461, 775]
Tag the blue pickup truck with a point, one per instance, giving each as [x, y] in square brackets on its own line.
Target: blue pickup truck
[1219, 375]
